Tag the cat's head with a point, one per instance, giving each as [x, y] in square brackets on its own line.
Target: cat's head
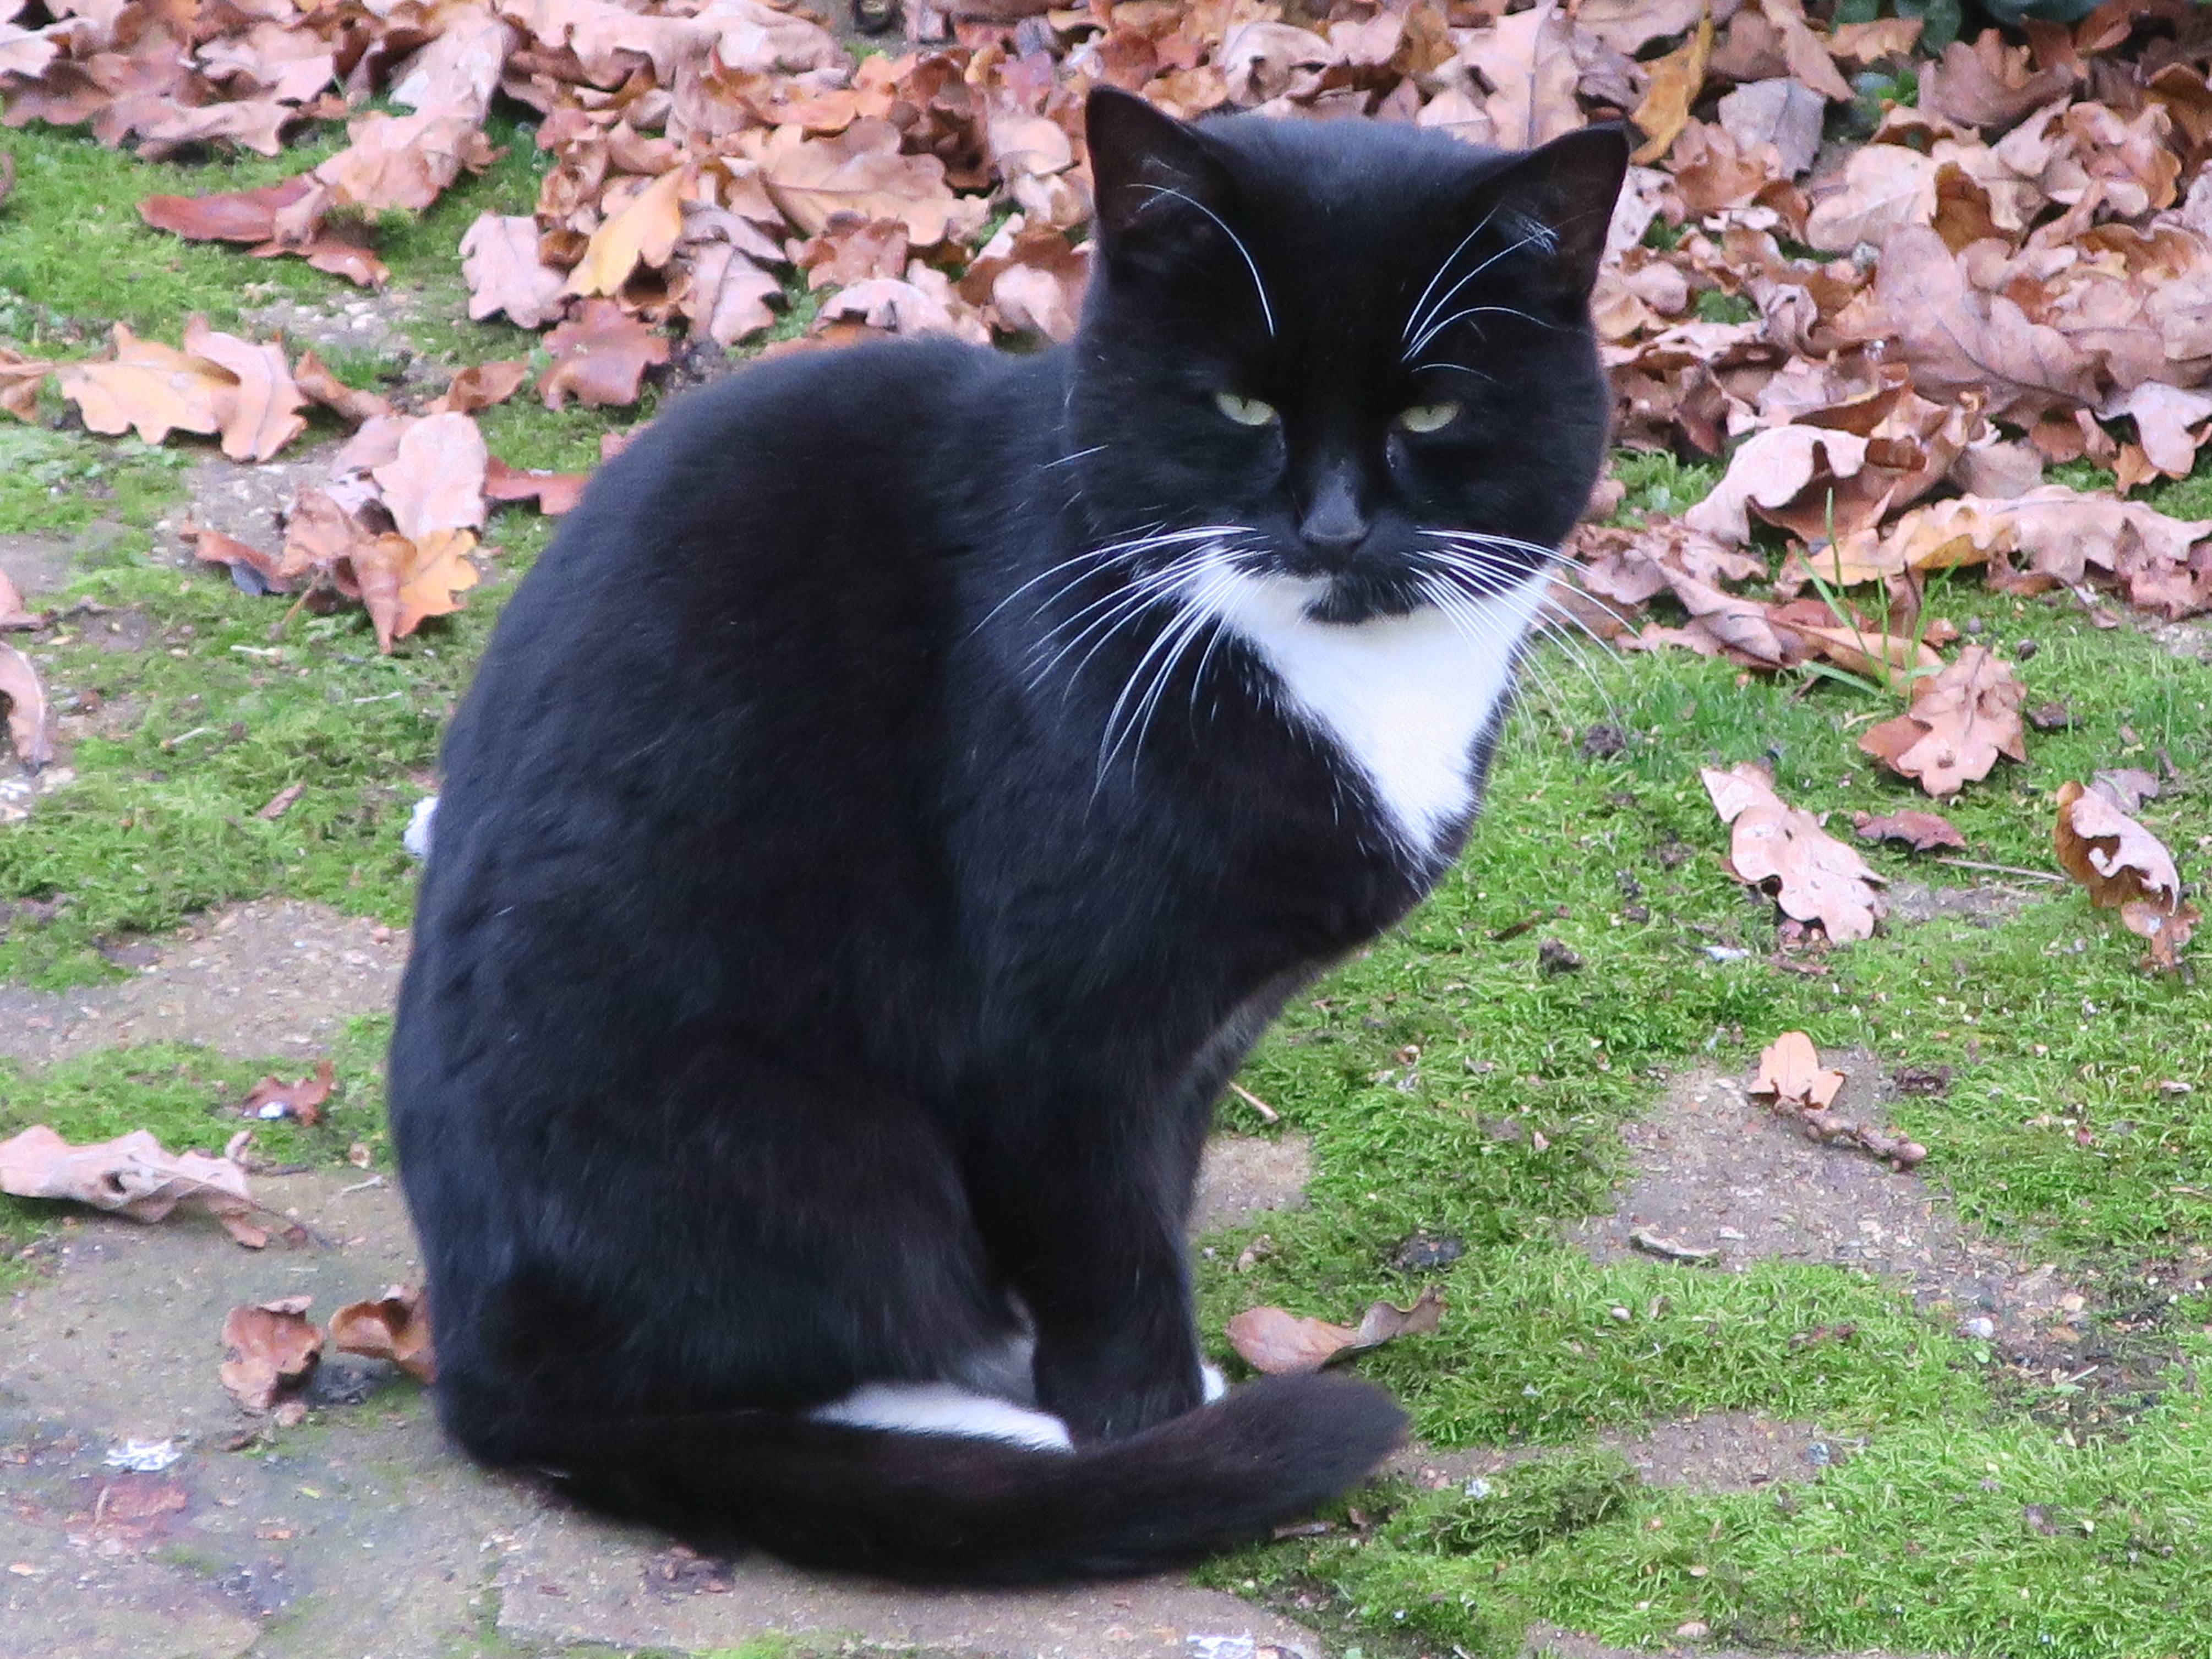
[1365, 346]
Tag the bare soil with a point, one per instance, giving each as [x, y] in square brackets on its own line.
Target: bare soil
[277, 977]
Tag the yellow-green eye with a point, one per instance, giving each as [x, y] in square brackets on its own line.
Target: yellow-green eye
[1245, 412]
[1428, 417]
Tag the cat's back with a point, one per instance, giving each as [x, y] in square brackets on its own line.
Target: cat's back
[780, 536]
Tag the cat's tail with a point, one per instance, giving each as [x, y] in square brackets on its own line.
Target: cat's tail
[947, 1508]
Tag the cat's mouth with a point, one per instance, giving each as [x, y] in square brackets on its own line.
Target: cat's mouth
[1353, 596]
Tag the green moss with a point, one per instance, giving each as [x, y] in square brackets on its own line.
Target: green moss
[188, 1097]
[58, 483]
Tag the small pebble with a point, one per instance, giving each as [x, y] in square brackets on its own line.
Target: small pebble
[1980, 1328]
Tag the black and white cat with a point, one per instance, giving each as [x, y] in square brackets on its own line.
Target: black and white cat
[888, 813]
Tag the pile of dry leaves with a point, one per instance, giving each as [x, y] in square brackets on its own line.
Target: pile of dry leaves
[1887, 340]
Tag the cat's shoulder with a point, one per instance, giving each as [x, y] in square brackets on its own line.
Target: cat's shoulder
[850, 393]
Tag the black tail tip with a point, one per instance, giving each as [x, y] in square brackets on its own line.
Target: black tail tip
[1339, 1429]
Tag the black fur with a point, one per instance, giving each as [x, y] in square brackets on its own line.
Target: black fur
[806, 992]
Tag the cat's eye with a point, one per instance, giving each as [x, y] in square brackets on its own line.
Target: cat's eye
[1428, 417]
[1245, 412]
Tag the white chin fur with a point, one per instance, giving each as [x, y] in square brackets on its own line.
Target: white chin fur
[1402, 698]
[942, 1408]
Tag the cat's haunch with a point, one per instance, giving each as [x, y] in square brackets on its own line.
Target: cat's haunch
[890, 811]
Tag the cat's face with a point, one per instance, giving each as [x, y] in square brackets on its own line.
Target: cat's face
[1366, 347]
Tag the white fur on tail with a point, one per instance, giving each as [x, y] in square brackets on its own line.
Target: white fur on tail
[942, 1408]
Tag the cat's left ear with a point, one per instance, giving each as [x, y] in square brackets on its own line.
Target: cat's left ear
[1565, 188]
[1157, 181]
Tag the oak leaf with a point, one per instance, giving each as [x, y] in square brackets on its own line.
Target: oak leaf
[150, 387]
[434, 479]
[1921, 831]
[1960, 340]
[599, 354]
[1279, 1344]
[403, 582]
[395, 1325]
[1528, 61]
[1790, 1073]
[1816, 878]
[1960, 722]
[2124, 867]
[129, 1175]
[499, 260]
[273, 1349]
[644, 231]
[26, 708]
[861, 171]
[259, 413]
[1675, 81]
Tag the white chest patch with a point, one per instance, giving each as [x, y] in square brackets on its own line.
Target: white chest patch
[1402, 697]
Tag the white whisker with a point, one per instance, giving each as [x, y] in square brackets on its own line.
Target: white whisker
[1267, 311]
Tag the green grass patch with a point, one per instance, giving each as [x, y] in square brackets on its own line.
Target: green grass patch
[188, 1097]
[59, 483]
[75, 256]
[216, 712]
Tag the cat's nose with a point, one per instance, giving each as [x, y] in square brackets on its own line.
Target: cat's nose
[1334, 523]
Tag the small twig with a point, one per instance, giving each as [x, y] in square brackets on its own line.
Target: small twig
[1268, 1113]
[361, 1186]
[2003, 870]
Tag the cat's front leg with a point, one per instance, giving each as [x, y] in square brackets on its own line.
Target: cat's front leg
[1085, 1220]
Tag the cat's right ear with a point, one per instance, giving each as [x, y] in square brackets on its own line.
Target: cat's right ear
[1157, 184]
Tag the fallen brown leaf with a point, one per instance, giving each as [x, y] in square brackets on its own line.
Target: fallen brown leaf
[150, 388]
[499, 260]
[2124, 867]
[403, 581]
[1921, 831]
[250, 569]
[321, 386]
[26, 708]
[1791, 1079]
[435, 482]
[479, 387]
[599, 355]
[1277, 1343]
[259, 413]
[1790, 1073]
[303, 1100]
[396, 1325]
[554, 493]
[237, 216]
[21, 378]
[273, 1348]
[129, 1175]
[1816, 876]
[1960, 722]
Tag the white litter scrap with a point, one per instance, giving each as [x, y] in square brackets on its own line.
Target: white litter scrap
[1221, 1647]
[143, 1456]
[416, 839]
